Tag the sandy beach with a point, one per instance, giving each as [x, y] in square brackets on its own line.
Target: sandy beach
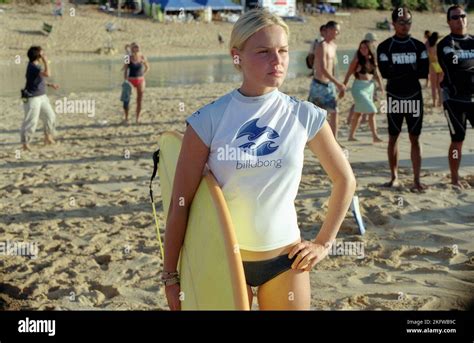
[84, 204]
[81, 36]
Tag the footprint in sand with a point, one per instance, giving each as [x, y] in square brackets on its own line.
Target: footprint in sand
[376, 216]
[25, 190]
[91, 299]
[464, 266]
[389, 257]
[445, 253]
[109, 291]
[369, 192]
[384, 278]
[103, 261]
[470, 180]
[349, 226]
[12, 291]
[109, 219]
[435, 269]
[418, 253]
[390, 263]
[56, 292]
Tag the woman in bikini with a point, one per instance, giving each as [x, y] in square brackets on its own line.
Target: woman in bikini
[272, 130]
[436, 73]
[364, 69]
[135, 68]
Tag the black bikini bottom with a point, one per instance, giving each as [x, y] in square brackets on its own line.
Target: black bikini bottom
[259, 272]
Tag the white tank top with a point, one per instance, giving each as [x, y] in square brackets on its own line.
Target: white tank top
[256, 154]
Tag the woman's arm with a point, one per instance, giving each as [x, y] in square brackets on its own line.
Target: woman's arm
[147, 66]
[336, 165]
[351, 70]
[192, 159]
[378, 79]
[332, 159]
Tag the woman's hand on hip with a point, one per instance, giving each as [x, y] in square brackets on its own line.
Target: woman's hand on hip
[308, 254]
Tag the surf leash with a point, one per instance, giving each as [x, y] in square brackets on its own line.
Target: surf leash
[156, 160]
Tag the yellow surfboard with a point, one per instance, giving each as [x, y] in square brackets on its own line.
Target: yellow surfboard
[210, 266]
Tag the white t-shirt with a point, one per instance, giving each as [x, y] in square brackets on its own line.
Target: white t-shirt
[256, 154]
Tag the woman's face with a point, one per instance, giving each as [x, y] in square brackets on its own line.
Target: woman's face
[264, 59]
[364, 49]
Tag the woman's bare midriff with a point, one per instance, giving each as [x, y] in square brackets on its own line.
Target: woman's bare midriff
[248, 255]
[365, 77]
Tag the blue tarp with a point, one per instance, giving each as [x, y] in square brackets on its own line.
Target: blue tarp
[219, 5]
[177, 5]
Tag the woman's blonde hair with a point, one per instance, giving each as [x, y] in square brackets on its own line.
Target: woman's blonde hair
[251, 22]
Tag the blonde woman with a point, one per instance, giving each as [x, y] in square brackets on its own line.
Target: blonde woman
[272, 129]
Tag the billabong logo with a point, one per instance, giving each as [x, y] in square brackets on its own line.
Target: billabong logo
[253, 132]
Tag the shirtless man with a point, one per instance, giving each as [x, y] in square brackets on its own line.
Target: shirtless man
[322, 92]
[310, 57]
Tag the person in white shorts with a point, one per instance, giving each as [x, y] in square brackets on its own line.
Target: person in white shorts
[36, 102]
[253, 141]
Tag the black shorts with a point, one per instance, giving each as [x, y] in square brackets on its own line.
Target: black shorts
[458, 113]
[410, 108]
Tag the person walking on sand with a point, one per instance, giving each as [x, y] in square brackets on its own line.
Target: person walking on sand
[36, 103]
[436, 73]
[364, 68]
[322, 91]
[456, 57]
[275, 258]
[403, 60]
[135, 68]
[372, 38]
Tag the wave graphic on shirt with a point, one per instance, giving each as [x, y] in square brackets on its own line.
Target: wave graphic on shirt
[253, 132]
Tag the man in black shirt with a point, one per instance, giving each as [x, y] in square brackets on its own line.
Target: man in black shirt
[456, 57]
[403, 60]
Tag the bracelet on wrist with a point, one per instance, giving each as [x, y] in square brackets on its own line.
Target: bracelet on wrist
[167, 274]
[170, 281]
